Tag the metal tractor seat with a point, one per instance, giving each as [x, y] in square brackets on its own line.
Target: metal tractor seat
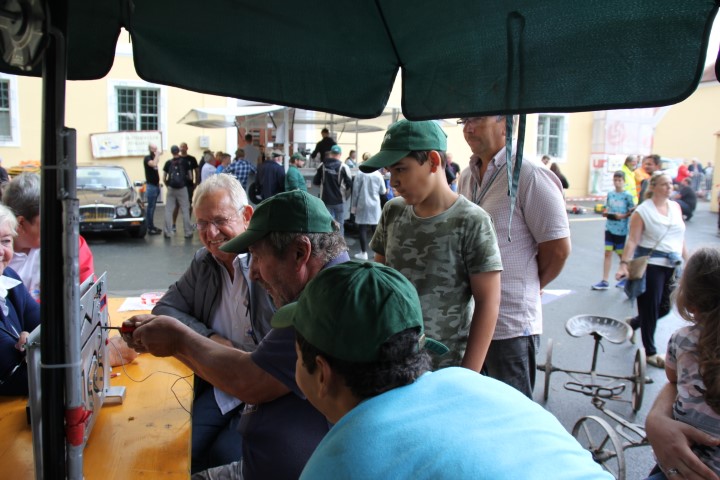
[615, 331]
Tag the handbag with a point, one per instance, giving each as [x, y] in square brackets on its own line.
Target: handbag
[637, 266]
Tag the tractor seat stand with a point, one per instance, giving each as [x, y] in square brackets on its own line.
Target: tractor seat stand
[589, 382]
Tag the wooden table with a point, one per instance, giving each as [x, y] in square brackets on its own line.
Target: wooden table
[148, 436]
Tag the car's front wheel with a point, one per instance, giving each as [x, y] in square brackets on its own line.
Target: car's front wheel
[138, 232]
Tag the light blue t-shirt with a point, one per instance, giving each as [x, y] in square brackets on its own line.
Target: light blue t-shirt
[452, 423]
[620, 202]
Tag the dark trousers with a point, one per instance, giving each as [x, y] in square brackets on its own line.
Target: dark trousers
[215, 438]
[151, 194]
[654, 303]
[364, 229]
[512, 361]
[686, 210]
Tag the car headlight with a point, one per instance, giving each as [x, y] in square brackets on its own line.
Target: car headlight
[121, 211]
[135, 211]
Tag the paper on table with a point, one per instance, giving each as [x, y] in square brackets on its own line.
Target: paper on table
[134, 303]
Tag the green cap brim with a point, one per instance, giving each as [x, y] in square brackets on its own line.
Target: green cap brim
[242, 242]
[283, 317]
[383, 159]
[435, 347]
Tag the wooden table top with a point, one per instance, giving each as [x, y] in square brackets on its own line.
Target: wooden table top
[147, 436]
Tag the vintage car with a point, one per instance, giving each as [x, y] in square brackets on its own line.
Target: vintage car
[109, 201]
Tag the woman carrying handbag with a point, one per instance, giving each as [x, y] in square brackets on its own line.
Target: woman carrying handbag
[657, 230]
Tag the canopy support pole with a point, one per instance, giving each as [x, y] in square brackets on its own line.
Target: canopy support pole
[54, 68]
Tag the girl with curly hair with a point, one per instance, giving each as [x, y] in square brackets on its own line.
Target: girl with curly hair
[693, 358]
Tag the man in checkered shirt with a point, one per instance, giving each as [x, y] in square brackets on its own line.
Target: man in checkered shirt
[241, 169]
[536, 255]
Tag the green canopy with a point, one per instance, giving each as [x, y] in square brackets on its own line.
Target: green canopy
[458, 57]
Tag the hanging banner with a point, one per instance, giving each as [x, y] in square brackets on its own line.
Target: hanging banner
[123, 144]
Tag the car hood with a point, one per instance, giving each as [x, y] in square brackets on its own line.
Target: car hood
[110, 196]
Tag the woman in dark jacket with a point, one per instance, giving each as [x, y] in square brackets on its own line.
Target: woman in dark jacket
[19, 314]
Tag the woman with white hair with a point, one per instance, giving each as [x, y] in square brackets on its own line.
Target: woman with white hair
[19, 314]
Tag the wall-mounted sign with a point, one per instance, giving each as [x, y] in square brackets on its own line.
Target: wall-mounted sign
[123, 144]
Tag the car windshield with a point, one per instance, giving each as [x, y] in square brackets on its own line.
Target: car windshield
[98, 178]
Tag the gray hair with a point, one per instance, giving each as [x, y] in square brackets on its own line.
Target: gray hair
[224, 182]
[8, 218]
[324, 246]
[22, 195]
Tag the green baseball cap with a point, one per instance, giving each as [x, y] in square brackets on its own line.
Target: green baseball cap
[336, 149]
[404, 137]
[348, 311]
[295, 211]
[297, 156]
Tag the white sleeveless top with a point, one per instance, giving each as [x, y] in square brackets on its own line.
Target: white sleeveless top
[669, 230]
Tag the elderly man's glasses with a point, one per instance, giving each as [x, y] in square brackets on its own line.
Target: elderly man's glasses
[219, 223]
[471, 120]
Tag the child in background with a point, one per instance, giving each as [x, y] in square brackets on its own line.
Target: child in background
[692, 362]
[618, 208]
[443, 243]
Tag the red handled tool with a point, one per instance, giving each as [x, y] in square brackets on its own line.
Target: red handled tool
[122, 329]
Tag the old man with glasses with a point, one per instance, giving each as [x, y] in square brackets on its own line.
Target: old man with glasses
[216, 298]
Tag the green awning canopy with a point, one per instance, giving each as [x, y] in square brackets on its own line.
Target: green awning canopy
[458, 57]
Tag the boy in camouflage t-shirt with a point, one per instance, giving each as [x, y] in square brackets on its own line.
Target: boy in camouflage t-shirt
[443, 243]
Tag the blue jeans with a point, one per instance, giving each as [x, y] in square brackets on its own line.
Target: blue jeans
[152, 192]
[215, 438]
[512, 361]
[337, 212]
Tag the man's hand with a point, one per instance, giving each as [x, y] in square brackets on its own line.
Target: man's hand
[20, 345]
[159, 335]
[119, 352]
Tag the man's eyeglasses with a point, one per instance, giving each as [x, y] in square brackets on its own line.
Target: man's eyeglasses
[470, 120]
[219, 223]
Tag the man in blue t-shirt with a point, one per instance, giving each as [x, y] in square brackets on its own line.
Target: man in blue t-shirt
[363, 363]
[618, 208]
[291, 238]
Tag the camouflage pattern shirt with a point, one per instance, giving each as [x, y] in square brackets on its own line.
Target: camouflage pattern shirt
[690, 406]
[438, 255]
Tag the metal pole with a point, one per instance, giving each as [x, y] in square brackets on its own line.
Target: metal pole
[54, 68]
[286, 138]
[75, 405]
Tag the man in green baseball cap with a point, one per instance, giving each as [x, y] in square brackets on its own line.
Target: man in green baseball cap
[362, 362]
[292, 239]
[443, 243]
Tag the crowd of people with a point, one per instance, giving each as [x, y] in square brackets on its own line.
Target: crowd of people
[310, 365]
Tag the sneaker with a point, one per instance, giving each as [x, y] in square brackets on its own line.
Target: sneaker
[656, 360]
[154, 231]
[603, 285]
[361, 256]
[621, 284]
[174, 229]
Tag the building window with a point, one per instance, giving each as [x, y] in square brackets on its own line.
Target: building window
[5, 114]
[137, 109]
[9, 115]
[550, 136]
